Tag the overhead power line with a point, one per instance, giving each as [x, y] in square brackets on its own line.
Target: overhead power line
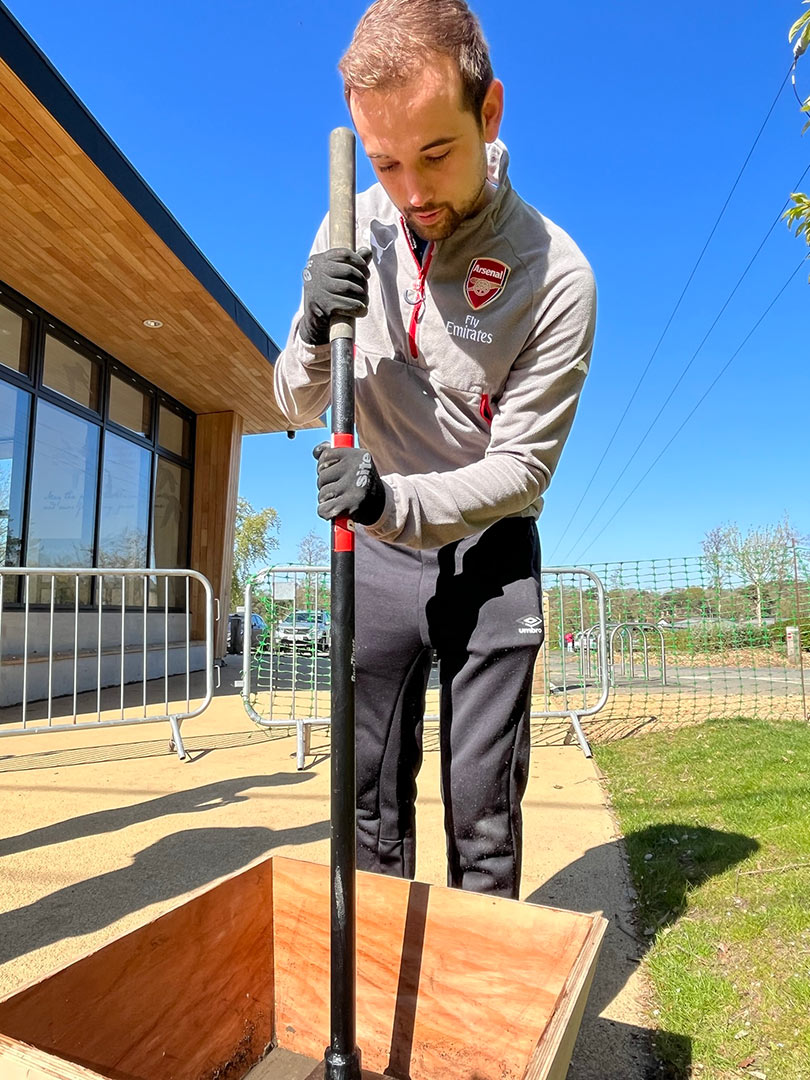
[676, 308]
[694, 409]
[684, 370]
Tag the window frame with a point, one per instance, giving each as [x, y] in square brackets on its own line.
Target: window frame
[146, 388]
[44, 323]
[14, 302]
[26, 388]
[72, 342]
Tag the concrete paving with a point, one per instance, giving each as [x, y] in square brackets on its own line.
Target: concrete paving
[103, 830]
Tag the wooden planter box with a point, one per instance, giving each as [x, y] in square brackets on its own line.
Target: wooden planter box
[450, 985]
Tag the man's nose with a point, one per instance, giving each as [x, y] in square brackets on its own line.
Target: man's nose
[417, 190]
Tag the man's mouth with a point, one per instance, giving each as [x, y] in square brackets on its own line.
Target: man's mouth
[427, 218]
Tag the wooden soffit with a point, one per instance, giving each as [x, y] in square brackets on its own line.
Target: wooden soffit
[84, 237]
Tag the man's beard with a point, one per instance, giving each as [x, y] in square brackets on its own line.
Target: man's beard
[449, 221]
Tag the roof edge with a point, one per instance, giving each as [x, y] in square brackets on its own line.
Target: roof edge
[34, 69]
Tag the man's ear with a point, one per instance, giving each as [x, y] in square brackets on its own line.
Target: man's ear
[492, 111]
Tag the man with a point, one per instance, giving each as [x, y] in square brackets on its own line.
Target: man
[470, 359]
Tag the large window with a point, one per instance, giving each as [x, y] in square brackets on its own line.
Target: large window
[63, 489]
[124, 527]
[171, 530]
[15, 406]
[95, 463]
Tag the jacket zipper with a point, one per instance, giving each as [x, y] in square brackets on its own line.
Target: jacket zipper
[422, 269]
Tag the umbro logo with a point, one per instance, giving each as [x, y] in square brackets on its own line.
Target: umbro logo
[530, 624]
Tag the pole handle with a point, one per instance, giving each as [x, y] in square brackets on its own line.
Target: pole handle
[341, 207]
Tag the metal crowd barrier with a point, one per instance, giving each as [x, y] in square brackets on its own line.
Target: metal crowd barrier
[574, 612]
[88, 648]
[285, 671]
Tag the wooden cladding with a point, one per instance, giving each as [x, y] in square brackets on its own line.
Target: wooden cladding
[216, 484]
[74, 245]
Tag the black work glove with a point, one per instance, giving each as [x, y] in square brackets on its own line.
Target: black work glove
[335, 283]
[348, 484]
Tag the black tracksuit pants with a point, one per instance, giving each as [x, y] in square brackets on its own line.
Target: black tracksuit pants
[478, 602]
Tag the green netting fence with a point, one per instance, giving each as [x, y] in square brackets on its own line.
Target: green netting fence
[687, 639]
[734, 643]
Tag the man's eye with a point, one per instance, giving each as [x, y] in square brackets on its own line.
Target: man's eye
[441, 157]
[386, 168]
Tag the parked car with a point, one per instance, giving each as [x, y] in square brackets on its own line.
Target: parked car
[236, 632]
[305, 629]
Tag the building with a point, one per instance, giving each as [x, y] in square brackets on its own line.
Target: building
[129, 370]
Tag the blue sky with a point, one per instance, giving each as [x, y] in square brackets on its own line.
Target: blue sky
[626, 123]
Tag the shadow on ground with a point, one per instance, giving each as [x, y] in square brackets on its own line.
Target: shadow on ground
[197, 747]
[192, 801]
[169, 868]
[596, 882]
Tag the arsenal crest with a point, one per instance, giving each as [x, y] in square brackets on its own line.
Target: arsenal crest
[485, 281]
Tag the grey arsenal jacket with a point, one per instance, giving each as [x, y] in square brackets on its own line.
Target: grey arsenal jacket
[468, 368]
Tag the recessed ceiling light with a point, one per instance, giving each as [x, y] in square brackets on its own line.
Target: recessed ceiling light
[153, 324]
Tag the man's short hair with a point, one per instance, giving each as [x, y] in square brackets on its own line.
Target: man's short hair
[394, 39]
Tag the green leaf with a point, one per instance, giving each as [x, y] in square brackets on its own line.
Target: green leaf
[800, 23]
[797, 216]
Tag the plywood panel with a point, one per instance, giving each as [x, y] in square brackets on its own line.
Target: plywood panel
[450, 984]
[21, 1062]
[552, 1055]
[187, 996]
[74, 246]
[216, 484]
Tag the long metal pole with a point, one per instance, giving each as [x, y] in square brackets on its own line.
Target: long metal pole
[342, 1058]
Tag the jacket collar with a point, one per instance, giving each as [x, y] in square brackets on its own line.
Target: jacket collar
[494, 212]
[497, 174]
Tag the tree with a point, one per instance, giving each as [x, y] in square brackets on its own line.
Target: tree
[761, 557]
[313, 550]
[798, 215]
[254, 538]
[714, 549]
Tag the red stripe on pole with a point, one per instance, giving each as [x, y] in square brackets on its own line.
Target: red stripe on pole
[343, 535]
[343, 531]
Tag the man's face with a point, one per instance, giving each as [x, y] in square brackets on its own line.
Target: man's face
[429, 153]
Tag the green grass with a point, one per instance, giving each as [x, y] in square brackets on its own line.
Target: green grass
[729, 952]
